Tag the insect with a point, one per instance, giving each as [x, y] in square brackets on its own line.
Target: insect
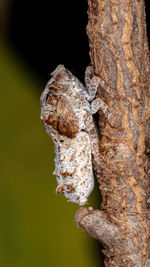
[66, 115]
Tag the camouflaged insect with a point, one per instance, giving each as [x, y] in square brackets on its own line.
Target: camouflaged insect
[65, 112]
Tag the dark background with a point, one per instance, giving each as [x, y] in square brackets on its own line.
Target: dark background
[37, 227]
[49, 33]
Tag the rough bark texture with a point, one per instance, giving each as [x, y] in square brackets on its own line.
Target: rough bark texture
[120, 57]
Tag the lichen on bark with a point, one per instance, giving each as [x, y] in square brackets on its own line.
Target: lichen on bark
[120, 57]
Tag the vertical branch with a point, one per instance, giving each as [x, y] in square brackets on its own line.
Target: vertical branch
[120, 57]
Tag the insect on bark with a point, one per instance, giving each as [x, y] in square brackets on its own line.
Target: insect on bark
[65, 112]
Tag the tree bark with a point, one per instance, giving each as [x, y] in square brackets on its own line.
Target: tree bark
[120, 57]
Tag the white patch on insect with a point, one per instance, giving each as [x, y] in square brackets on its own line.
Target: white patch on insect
[65, 114]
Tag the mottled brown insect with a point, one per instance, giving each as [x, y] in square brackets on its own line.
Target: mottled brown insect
[66, 115]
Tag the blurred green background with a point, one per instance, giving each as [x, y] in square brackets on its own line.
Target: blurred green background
[37, 227]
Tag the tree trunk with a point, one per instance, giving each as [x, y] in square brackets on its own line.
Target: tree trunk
[120, 57]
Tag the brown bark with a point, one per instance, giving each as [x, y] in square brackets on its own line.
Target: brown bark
[120, 57]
